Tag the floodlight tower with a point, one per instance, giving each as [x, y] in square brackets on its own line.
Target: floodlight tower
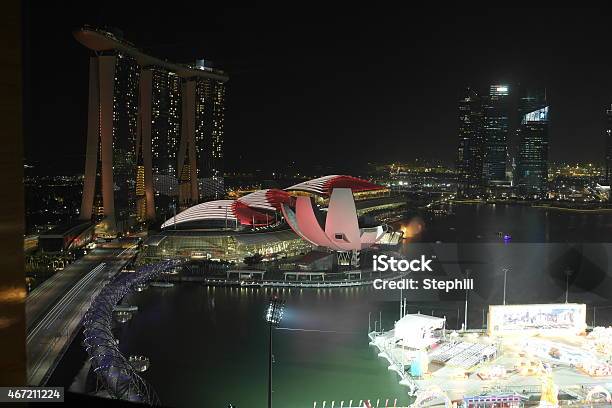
[568, 273]
[274, 314]
[505, 280]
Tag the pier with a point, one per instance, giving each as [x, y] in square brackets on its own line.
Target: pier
[467, 364]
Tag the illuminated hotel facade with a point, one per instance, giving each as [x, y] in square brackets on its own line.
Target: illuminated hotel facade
[165, 132]
[608, 158]
[154, 128]
[209, 119]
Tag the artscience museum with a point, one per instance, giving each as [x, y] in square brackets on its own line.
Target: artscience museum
[333, 214]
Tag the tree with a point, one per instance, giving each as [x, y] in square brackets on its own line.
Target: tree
[253, 259]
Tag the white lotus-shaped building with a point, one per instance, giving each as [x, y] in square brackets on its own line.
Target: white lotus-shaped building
[341, 231]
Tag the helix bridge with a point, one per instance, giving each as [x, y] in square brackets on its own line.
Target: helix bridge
[114, 372]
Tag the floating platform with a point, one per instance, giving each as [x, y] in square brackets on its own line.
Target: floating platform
[161, 284]
[125, 308]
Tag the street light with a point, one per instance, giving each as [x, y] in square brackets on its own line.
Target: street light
[568, 273]
[467, 275]
[273, 316]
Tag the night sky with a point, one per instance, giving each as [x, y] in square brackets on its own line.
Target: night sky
[336, 88]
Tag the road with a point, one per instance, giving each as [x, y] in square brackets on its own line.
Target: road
[43, 297]
[54, 310]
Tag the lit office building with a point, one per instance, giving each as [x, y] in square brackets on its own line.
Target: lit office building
[608, 164]
[532, 163]
[471, 149]
[496, 125]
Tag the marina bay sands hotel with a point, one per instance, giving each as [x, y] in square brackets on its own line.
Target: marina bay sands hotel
[154, 133]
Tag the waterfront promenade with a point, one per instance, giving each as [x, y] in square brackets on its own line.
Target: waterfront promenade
[280, 283]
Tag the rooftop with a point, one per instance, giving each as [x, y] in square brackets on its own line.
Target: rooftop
[99, 40]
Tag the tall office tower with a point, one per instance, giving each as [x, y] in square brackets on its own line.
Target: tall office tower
[142, 131]
[608, 158]
[496, 125]
[470, 155]
[532, 163]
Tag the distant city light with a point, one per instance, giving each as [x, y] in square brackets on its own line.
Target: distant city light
[540, 115]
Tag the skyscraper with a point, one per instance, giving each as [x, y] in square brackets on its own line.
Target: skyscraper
[471, 149]
[142, 132]
[187, 163]
[496, 125]
[532, 163]
[109, 190]
[165, 135]
[209, 117]
[141, 191]
[125, 118]
[608, 154]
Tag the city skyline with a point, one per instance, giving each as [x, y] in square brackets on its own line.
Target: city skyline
[411, 106]
[328, 207]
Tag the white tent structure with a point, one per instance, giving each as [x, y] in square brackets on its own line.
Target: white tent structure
[417, 331]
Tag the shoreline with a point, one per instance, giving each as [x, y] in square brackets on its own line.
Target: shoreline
[544, 205]
[277, 284]
[579, 210]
